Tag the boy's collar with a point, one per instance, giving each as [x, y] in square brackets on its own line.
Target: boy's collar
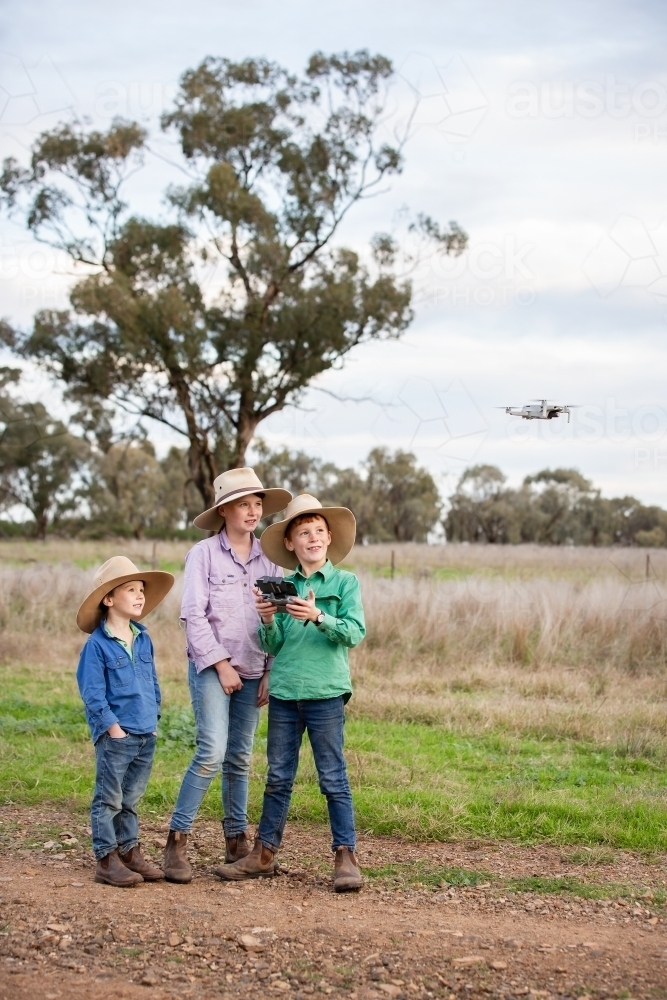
[135, 627]
[325, 571]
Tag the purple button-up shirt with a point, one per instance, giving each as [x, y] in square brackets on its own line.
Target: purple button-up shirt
[218, 605]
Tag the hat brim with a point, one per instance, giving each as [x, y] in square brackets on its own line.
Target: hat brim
[274, 500]
[157, 585]
[342, 525]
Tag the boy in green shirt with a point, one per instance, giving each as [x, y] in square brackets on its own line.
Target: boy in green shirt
[309, 682]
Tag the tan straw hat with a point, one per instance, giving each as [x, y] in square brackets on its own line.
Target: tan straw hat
[342, 525]
[233, 485]
[117, 570]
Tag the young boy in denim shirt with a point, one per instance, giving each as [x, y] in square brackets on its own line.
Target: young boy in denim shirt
[121, 696]
[310, 680]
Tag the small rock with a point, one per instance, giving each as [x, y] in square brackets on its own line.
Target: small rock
[160, 842]
[468, 960]
[653, 921]
[281, 984]
[64, 943]
[175, 940]
[149, 978]
[390, 989]
[77, 885]
[250, 943]
[49, 844]
[560, 969]
[498, 966]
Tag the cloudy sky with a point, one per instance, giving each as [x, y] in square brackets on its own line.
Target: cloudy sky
[540, 128]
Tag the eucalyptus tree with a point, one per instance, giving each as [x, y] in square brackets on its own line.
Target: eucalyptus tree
[220, 316]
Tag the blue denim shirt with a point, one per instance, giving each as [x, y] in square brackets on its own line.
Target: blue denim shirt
[117, 687]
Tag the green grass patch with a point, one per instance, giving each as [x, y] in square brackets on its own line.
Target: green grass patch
[412, 780]
[421, 874]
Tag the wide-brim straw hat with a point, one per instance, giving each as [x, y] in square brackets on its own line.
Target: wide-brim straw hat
[114, 572]
[342, 525]
[234, 484]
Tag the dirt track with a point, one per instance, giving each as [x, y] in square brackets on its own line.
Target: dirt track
[64, 936]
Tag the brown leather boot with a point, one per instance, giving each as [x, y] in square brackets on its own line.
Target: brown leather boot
[176, 866]
[112, 871]
[347, 877]
[258, 864]
[236, 847]
[136, 862]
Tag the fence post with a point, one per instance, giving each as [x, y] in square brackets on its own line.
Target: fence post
[393, 563]
[154, 556]
[648, 565]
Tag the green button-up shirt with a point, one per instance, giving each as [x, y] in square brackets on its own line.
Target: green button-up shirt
[126, 646]
[311, 662]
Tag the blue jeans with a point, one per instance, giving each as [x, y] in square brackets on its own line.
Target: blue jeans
[324, 720]
[226, 725]
[123, 768]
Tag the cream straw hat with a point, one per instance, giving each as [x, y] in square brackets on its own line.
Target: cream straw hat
[233, 485]
[117, 570]
[342, 526]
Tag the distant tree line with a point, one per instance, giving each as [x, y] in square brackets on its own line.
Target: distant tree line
[93, 485]
[553, 507]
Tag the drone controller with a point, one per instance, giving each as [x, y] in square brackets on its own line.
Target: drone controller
[278, 591]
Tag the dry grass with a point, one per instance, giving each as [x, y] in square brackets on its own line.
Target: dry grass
[553, 643]
[580, 563]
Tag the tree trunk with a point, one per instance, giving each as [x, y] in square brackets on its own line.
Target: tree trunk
[201, 462]
[245, 431]
[41, 522]
[202, 470]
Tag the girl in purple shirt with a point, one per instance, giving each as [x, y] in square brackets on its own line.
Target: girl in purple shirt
[227, 669]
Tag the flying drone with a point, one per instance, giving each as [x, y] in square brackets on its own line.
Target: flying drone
[539, 409]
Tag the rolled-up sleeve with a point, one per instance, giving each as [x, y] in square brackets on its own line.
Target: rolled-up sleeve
[204, 647]
[348, 628]
[91, 679]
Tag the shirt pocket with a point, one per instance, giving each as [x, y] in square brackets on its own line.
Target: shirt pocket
[146, 661]
[329, 604]
[223, 592]
[120, 673]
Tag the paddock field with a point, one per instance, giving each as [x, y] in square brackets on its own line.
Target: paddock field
[517, 692]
